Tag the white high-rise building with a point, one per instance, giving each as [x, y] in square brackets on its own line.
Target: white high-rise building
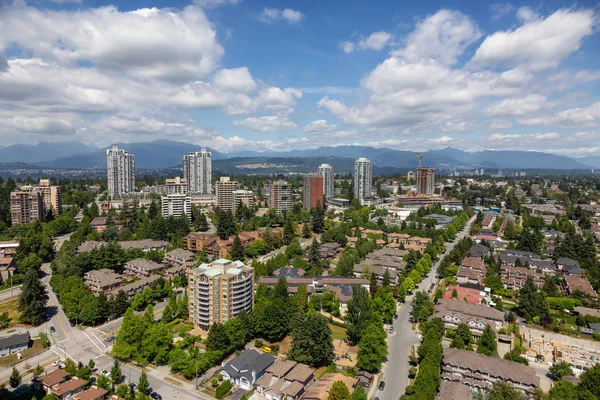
[176, 205]
[224, 193]
[363, 178]
[281, 196]
[326, 171]
[197, 169]
[121, 172]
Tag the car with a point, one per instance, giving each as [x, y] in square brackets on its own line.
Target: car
[105, 373]
[381, 385]
[57, 363]
[52, 329]
[391, 330]
[396, 316]
[155, 396]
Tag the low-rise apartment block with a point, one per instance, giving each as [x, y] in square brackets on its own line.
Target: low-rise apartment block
[574, 283]
[102, 281]
[285, 380]
[454, 312]
[142, 268]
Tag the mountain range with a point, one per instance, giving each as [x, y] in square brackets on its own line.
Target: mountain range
[168, 153]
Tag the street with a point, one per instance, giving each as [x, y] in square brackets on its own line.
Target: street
[400, 342]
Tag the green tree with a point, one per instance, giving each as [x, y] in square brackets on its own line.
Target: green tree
[338, 391]
[237, 250]
[143, 384]
[236, 333]
[358, 315]
[217, 339]
[15, 378]
[312, 341]
[318, 219]
[156, 343]
[280, 290]
[560, 369]
[301, 297]
[104, 382]
[386, 280]
[590, 380]
[359, 394]
[37, 371]
[115, 372]
[531, 301]
[306, 230]
[463, 339]
[422, 307]
[384, 304]
[314, 259]
[289, 230]
[504, 391]
[487, 344]
[372, 348]
[33, 299]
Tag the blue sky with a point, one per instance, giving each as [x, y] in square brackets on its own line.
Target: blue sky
[282, 75]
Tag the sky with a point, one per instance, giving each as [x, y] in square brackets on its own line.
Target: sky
[238, 75]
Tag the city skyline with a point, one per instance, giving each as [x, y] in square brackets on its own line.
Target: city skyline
[239, 75]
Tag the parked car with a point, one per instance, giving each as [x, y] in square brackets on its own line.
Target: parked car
[395, 316]
[52, 329]
[391, 330]
[105, 373]
[155, 396]
[57, 363]
[381, 385]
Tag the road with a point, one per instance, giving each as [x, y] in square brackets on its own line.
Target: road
[400, 342]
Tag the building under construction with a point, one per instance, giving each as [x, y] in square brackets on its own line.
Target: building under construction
[425, 179]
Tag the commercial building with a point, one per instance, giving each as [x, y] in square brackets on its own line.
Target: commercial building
[326, 171]
[225, 188]
[120, 167]
[177, 185]
[245, 197]
[219, 291]
[363, 178]
[281, 196]
[312, 192]
[425, 180]
[26, 207]
[51, 196]
[176, 205]
[197, 170]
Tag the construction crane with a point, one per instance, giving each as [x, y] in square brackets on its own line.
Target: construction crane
[420, 157]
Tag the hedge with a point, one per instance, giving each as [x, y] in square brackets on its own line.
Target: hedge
[563, 303]
[223, 390]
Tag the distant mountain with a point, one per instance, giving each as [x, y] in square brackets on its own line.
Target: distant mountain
[156, 154]
[43, 151]
[592, 161]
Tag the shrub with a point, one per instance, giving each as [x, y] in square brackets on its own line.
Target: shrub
[412, 372]
[214, 382]
[258, 343]
[220, 377]
[223, 390]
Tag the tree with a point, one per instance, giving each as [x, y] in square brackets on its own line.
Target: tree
[33, 299]
[37, 371]
[338, 391]
[312, 341]
[408, 285]
[237, 250]
[301, 297]
[384, 304]
[143, 384]
[306, 230]
[359, 394]
[157, 343]
[422, 307]
[91, 364]
[531, 301]
[560, 369]
[487, 342]
[372, 348]
[15, 378]
[236, 333]
[280, 290]
[386, 278]
[115, 372]
[590, 380]
[289, 231]
[463, 339]
[104, 382]
[504, 391]
[318, 218]
[217, 339]
[358, 315]
[314, 259]
[515, 356]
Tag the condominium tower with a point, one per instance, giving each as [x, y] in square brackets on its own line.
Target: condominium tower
[312, 192]
[197, 169]
[176, 205]
[225, 188]
[326, 171]
[177, 185]
[363, 178]
[242, 196]
[281, 196]
[425, 180]
[219, 291]
[26, 207]
[51, 196]
[121, 172]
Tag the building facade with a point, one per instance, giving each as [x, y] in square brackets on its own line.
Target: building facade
[26, 207]
[177, 185]
[326, 171]
[197, 169]
[176, 205]
[121, 172]
[241, 196]
[425, 180]
[312, 192]
[51, 196]
[281, 196]
[225, 188]
[219, 291]
[363, 178]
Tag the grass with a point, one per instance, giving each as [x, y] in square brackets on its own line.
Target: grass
[338, 332]
[35, 349]
[11, 306]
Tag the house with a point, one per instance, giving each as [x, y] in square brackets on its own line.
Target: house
[330, 250]
[99, 224]
[469, 276]
[50, 379]
[102, 280]
[7, 268]
[453, 391]
[247, 368]
[572, 283]
[488, 238]
[285, 380]
[8, 248]
[513, 278]
[479, 372]
[568, 266]
[474, 263]
[170, 273]
[93, 393]
[69, 388]
[454, 312]
[141, 267]
[180, 257]
[13, 341]
[320, 389]
[472, 296]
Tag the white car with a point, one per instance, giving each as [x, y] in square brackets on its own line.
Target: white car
[105, 373]
[57, 363]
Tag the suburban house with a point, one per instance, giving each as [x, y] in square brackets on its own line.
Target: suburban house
[479, 251]
[513, 278]
[247, 368]
[285, 380]
[102, 280]
[142, 268]
[479, 372]
[50, 379]
[568, 266]
[93, 393]
[455, 312]
[469, 276]
[69, 388]
[320, 389]
[13, 341]
[99, 224]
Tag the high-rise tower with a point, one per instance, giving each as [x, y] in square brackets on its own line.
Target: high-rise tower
[326, 171]
[120, 167]
[363, 178]
[197, 169]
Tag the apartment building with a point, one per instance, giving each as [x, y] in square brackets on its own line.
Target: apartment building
[245, 197]
[197, 170]
[219, 291]
[177, 185]
[363, 178]
[281, 196]
[120, 172]
[176, 205]
[51, 196]
[425, 180]
[102, 281]
[312, 192]
[326, 171]
[224, 190]
[454, 312]
[142, 268]
[573, 283]
[26, 207]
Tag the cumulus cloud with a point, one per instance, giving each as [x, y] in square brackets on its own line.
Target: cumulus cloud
[272, 15]
[266, 124]
[520, 106]
[375, 41]
[538, 43]
[236, 79]
[319, 126]
[442, 36]
[580, 117]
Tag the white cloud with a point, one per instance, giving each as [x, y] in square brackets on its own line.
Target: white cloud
[215, 3]
[236, 79]
[499, 10]
[580, 117]
[520, 106]
[266, 124]
[319, 126]
[501, 125]
[375, 41]
[538, 43]
[443, 36]
[272, 15]
[526, 14]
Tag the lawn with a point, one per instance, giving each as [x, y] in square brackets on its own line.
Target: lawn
[338, 332]
[11, 306]
[35, 349]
